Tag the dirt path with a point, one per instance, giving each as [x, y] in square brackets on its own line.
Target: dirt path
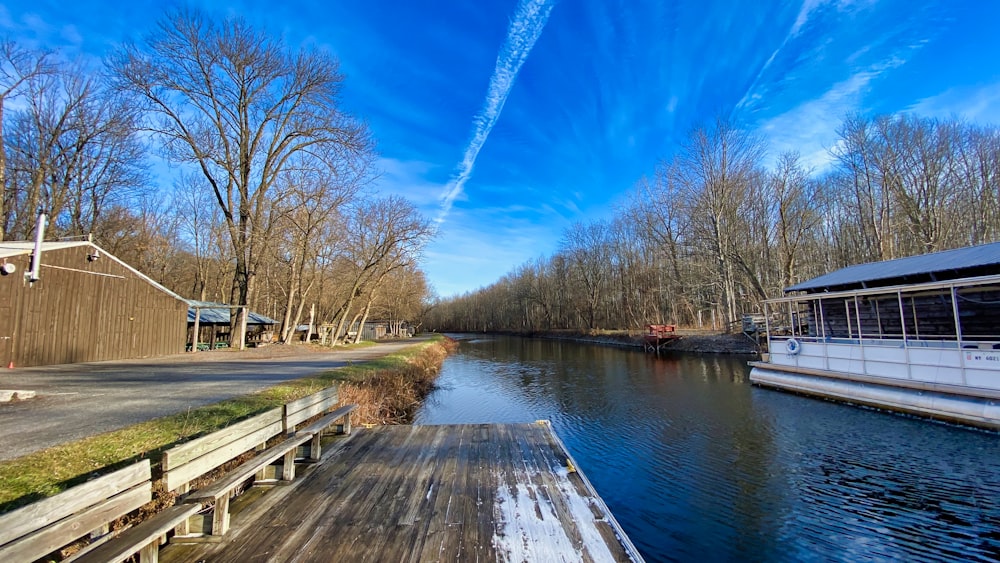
[75, 401]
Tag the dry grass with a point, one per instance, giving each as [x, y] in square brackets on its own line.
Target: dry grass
[392, 396]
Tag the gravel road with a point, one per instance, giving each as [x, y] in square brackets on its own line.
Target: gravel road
[75, 401]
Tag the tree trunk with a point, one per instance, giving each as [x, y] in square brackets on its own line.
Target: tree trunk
[364, 317]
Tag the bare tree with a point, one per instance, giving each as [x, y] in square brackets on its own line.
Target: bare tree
[17, 66]
[717, 168]
[662, 210]
[73, 151]
[236, 104]
[384, 235]
[863, 188]
[978, 171]
[796, 213]
[197, 216]
[311, 211]
[586, 249]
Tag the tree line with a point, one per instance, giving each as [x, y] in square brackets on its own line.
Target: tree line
[272, 202]
[714, 232]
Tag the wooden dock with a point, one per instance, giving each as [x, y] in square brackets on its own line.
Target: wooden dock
[659, 336]
[486, 492]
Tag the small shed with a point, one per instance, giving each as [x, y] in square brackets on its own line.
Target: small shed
[380, 328]
[86, 306]
[213, 321]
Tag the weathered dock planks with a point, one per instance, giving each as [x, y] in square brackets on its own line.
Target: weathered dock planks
[428, 493]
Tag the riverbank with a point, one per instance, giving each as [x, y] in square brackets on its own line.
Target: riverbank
[690, 341]
[392, 396]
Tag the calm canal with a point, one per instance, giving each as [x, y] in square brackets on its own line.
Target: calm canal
[697, 464]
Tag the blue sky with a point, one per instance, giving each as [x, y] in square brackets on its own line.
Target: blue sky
[508, 121]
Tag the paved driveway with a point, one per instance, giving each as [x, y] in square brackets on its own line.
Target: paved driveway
[75, 401]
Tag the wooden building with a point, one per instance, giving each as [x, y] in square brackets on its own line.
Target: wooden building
[85, 306]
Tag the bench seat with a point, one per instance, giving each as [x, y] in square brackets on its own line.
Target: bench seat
[219, 491]
[143, 538]
[315, 430]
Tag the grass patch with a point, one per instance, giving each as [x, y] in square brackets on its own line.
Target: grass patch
[30, 478]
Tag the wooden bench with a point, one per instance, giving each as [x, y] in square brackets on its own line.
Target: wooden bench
[41, 528]
[220, 491]
[301, 410]
[188, 461]
[316, 428]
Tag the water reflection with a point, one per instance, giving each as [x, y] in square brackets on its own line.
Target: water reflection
[698, 465]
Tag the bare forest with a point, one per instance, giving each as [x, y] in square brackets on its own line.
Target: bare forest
[218, 161]
[715, 231]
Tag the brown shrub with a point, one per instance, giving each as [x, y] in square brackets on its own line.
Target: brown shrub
[393, 396]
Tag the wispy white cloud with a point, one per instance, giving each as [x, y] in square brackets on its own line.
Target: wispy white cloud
[412, 179]
[810, 128]
[811, 13]
[976, 104]
[808, 7]
[525, 29]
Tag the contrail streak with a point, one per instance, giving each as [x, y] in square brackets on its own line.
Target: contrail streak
[524, 31]
[807, 9]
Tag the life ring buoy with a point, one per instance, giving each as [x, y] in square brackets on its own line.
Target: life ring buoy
[792, 346]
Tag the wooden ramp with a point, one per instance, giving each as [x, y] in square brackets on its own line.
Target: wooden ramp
[428, 493]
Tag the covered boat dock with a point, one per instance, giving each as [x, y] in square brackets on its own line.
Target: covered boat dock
[918, 335]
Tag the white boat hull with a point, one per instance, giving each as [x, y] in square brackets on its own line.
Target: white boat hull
[972, 410]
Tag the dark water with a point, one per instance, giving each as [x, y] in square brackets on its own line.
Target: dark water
[697, 464]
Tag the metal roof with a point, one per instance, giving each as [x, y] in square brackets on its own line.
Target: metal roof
[218, 314]
[948, 264]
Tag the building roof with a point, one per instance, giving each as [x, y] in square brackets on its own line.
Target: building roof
[218, 314]
[938, 266]
[11, 248]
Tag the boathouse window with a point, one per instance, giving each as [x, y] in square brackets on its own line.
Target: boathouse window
[880, 317]
[814, 314]
[979, 312]
[838, 318]
[869, 317]
[930, 315]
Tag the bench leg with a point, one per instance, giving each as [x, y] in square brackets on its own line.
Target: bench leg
[150, 553]
[262, 474]
[314, 447]
[184, 528]
[220, 515]
[288, 466]
[347, 423]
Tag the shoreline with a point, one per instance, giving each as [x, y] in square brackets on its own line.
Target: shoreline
[691, 342]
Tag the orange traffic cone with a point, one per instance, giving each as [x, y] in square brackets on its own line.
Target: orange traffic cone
[10, 365]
